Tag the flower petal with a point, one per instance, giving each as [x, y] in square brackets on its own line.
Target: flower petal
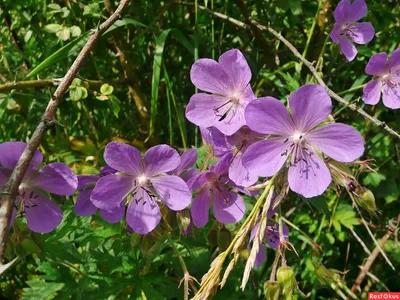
[124, 158]
[239, 174]
[268, 115]
[231, 120]
[347, 47]
[394, 61]
[84, 206]
[236, 67]
[266, 158]
[310, 105]
[10, 152]
[228, 206]
[55, 178]
[335, 34]
[222, 166]
[391, 96]
[309, 178]
[199, 180]
[86, 180]
[272, 235]
[200, 209]
[209, 76]
[201, 109]
[107, 170]
[160, 159]
[357, 11]
[216, 139]
[4, 175]
[43, 215]
[372, 92]
[114, 215]
[339, 141]
[341, 11]
[377, 64]
[143, 214]
[188, 159]
[111, 190]
[260, 257]
[362, 33]
[173, 191]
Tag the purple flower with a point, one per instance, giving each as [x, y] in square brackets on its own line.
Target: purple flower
[298, 138]
[228, 206]
[84, 206]
[271, 236]
[348, 30]
[146, 181]
[42, 214]
[186, 169]
[227, 81]
[388, 80]
[240, 142]
[236, 144]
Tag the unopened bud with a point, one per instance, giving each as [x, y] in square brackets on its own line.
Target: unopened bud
[184, 220]
[342, 174]
[366, 199]
[244, 255]
[224, 238]
[271, 290]
[286, 279]
[212, 237]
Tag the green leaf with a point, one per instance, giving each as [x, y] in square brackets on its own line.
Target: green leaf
[295, 7]
[28, 36]
[63, 34]
[54, 6]
[75, 93]
[106, 89]
[158, 55]
[75, 31]
[53, 28]
[116, 105]
[183, 40]
[374, 179]
[41, 290]
[124, 22]
[62, 53]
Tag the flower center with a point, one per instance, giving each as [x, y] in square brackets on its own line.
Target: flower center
[298, 137]
[142, 179]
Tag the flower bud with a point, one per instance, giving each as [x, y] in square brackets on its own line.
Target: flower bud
[224, 238]
[212, 237]
[366, 199]
[286, 280]
[244, 255]
[184, 219]
[271, 290]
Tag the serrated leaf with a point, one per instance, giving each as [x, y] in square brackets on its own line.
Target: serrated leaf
[41, 290]
[106, 89]
[63, 34]
[53, 28]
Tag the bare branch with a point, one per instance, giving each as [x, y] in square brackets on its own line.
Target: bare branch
[10, 190]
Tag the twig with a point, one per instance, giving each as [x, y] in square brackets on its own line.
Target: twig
[373, 256]
[308, 64]
[41, 83]
[360, 241]
[9, 191]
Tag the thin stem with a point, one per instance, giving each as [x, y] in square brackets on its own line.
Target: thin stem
[355, 88]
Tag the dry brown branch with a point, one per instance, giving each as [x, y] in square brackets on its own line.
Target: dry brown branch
[9, 191]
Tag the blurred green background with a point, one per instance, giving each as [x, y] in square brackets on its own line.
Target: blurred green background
[134, 87]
